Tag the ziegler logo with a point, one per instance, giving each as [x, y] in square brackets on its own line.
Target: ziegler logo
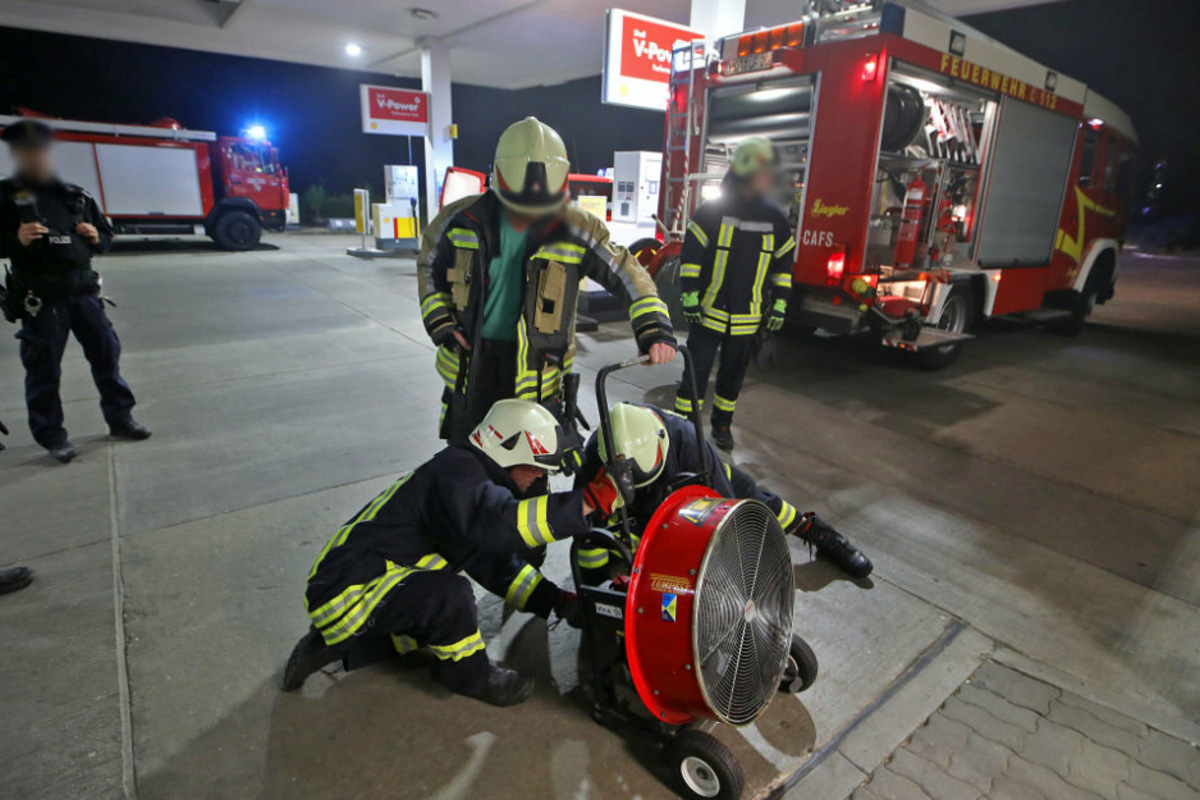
[820, 209]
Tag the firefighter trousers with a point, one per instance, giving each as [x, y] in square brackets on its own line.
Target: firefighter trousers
[735, 354]
[493, 379]
[423, 608]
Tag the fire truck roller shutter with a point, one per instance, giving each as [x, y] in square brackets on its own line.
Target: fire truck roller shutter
[777, 110]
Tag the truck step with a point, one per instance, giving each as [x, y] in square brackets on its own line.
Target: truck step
[927, 338]
[1042, 315]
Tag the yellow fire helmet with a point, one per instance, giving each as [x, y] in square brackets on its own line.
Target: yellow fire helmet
[520, 432]
[639, 436]
[529, 173]
[754, 155]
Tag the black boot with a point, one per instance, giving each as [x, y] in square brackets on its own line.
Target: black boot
[63, 452]
[15, 578]
[309, 655]
[504, 687]
[129, 429]
[722, 436]
[833, 547]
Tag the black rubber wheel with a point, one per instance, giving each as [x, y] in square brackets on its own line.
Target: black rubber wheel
[666, 281]
[703, 767]
[237, 230]
[958, 315]
[645, 249]
[801, 670]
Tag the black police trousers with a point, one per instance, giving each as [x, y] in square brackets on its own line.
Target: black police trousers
[735, 356]
[43, 340]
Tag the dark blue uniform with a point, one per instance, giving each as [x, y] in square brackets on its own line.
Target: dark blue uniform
[57, 269]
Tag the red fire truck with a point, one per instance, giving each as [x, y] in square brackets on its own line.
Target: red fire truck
[162, 179]
[933, 175]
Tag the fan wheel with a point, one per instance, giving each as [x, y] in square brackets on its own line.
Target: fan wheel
[704, 768]
[801, 670]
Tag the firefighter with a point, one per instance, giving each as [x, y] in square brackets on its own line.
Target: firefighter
[393, 569]
[499, 277]
[662, 447]
[50, 230]
[736, 277]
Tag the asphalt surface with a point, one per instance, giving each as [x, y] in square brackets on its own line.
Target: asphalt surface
[1036, 506]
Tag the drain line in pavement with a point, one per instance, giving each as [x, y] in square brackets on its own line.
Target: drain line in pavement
[128, 779]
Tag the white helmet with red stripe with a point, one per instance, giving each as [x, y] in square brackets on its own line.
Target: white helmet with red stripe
[641, 437]
[520, 432]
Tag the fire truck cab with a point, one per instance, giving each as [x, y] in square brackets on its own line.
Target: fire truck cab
[933, 175]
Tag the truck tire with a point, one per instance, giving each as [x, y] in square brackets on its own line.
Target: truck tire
[237, 230]
[1081, 304]
[958, 315]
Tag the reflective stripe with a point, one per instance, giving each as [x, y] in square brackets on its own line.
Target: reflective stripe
[725, 236]
[723, 404]
[593, 558]
[467, 646]
[718, 277]
[698, 232]
[522, 586]
[563, 252]
[463, 238]
[782, 279]
[434, 302]
[526, 387]
[647, 305]
[728, 471]
[785, 247]
[344, 602]
[360, 612]
[683, 405]
[365, 515]
[433, 561]
[532, 523]
[404, 644]
[787, 514]
[447, 366]
[743, 330]
[689, 271]
[760, 274]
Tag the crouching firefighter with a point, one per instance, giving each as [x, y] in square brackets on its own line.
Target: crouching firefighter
[662, 449]
[736, 277]
[499, 276]
[393, 569]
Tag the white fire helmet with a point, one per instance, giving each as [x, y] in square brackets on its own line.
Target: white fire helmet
[639, 436]
[520, 432]
[529, 173]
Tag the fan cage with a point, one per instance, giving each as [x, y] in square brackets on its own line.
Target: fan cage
[742, 625]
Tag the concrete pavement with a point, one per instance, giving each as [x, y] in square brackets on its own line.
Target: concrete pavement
[1033, 507]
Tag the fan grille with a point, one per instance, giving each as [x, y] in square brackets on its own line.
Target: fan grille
[743, 620]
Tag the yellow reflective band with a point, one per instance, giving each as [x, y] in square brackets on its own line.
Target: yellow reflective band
[725, 236]
[404, 644]
[715, 324]
[743, 330]
[531, 521]
[433, 561]
[463, 238]
[723, 404]
[647, 305]
[434, 302]
[785, 247]
[563, 252]
[689, 271]
[365, 515]
[787, 514]
[783, 279]
[683, 405]
[718, 277]
[358, 615]
[760, 277]
[729, 472]
[522, 586]
[447, 365]
[695, 230]
[594, 558]
[467, 646]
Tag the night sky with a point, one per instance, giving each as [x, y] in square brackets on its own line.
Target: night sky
[1142, 56]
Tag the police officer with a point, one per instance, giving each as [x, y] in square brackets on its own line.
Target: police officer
[392, 570]
[660, 448]
[50, 230]
[499, 277]
[736, 276]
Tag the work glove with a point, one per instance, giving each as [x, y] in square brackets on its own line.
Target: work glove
[567, 607]
[691, 307]
[777, 315]
[604, 493]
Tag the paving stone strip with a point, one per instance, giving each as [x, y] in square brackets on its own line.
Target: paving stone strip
[1003, 735]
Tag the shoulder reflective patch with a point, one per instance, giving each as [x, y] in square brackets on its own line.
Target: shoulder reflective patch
[670, 606]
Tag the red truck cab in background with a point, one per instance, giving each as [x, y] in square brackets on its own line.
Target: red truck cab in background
[163, 179]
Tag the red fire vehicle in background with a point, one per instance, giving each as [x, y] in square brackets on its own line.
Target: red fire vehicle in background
[933, 175]
[162, 179]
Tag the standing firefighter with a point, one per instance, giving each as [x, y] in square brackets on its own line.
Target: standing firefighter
[736, 276]
[50, 230]
[499, 278]
[393, 569]
[663, 448]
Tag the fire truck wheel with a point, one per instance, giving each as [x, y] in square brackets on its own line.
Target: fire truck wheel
[801, 670]
[704, 767]
[958, 316]
[237, 230]
[1081, 306]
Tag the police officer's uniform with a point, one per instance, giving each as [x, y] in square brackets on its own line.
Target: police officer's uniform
[393, 568]
[57, 271]
[735, 267]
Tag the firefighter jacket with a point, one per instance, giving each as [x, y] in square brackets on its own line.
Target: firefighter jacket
[683, 459]
[60, 263]
[459, 511]
[735, 262]
[452, 269]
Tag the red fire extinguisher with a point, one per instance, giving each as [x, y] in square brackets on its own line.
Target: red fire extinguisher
[910, 225]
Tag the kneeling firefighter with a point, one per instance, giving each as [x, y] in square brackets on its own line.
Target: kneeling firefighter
[499, 276]
[393, 569]
[661, 446]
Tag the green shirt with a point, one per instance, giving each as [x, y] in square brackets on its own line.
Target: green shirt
[502, 308]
